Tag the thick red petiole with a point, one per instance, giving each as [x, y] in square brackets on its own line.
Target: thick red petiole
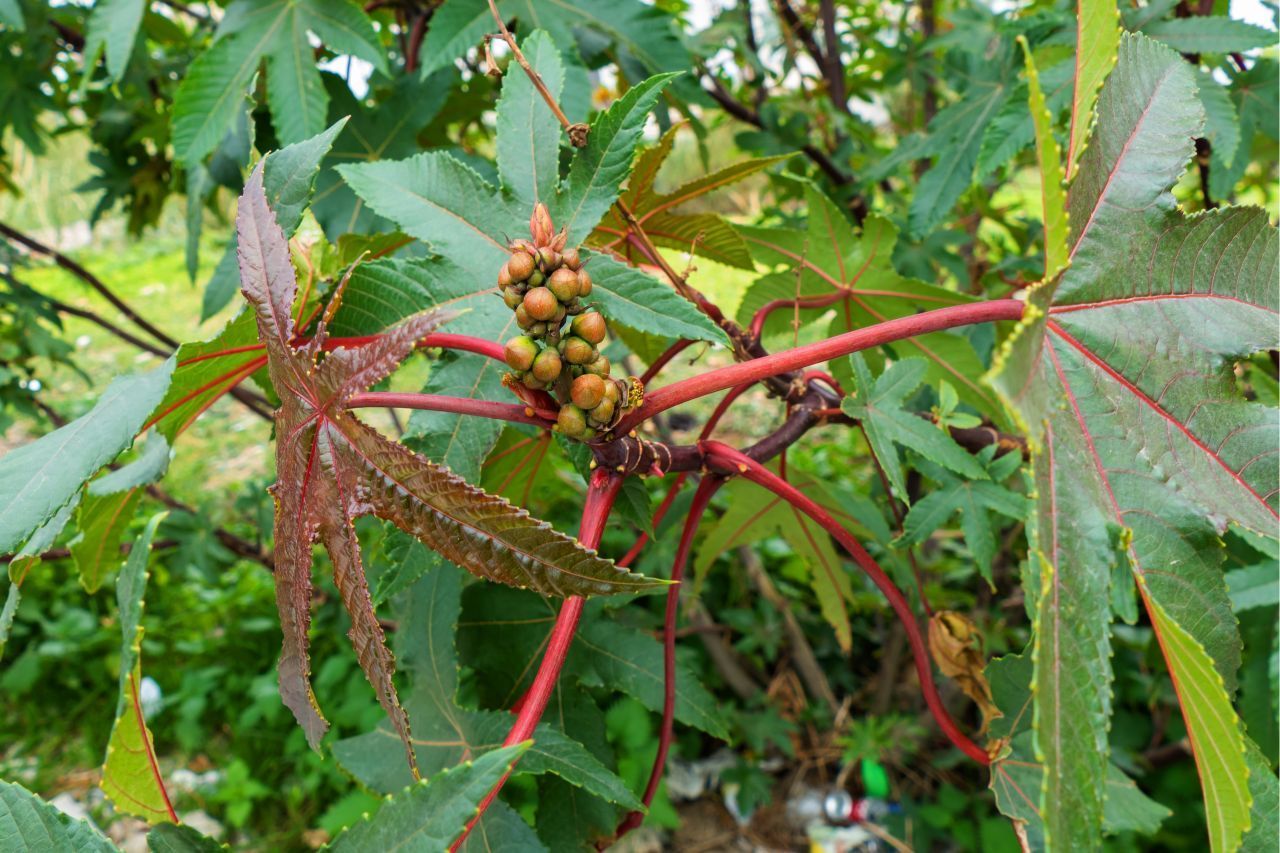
[730, 460]
[458, 405]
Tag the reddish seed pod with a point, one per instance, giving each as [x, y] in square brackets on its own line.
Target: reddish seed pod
[523, 320]
[564, 284]
[504, 276]
[570, 258]
[578, 351]
[589, 326]
[560, 313]
[587, 391]
[520, 352]
[546, 367]
[540, 303]
[584, 282]
[520, 266]
[571, 421]
[512, 298]
[600, 367]
[550, 259]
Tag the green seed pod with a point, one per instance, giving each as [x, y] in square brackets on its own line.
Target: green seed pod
[520, 267]
[603, 412]
[589, 326]
[540, 303]
[611, 392]
[600, 367]
[564, 284]
[569, 257]
[587, 391]
[537, 279]
[504, 276]
[546, 367]
[584, 282]
[531, 382]
[520, 352]
[571, 421]
[588, 434]
[560, 315]
[537, 330]
[578, 351]
[512, 299]
[550, 259]
[523, 320]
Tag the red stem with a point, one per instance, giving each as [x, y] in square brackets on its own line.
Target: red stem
[602, 491]
[822, 351]
[458, 405]
[701, 498]
[758, 319]
[730, 459]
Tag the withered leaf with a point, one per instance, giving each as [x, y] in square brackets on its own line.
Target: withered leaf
[331, 468]
[956, 646]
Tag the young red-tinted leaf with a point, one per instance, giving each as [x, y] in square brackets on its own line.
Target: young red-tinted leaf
[331, 468]
[1122, 373]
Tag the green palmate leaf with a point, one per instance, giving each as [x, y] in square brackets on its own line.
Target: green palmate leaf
[151, 463]
[645, 304]
[597, 172]
[528, 132]
[1210, 34]
[290, 176]
[446, 733]
[331, 468]
[113, 28]
[1122, 375]
[830, 260]
[1013, 128]
[878, 405]
[641, 30]
[1255, 586]
[1097, 39]
[1250, 95]
[1053, 195]
[501, 828]
[1222, 124]
[172, 838]
[29, 823]
[458, 442]
[433, 813]
[39, 478]
[102, 520]
[207, 100]
[1264, 824]
[131, 775]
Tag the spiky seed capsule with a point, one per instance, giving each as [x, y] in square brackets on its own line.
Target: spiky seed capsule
[520, 352]
[523, 320]
[589, 326]
[571, 421]
[520, 266]
[564, 284]
[584, 282]
[504, 276]
[546, 367]
[571, 259]
[587, 391]
[603, 412]
[611, 392]
[578, 351]
[512, 298]
[541, 304]
[600, 367]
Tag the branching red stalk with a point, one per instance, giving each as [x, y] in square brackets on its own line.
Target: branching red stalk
[701, 499]
[759, 318]
[457, 405]
[730, 460]
[602, 491]
[816, 353]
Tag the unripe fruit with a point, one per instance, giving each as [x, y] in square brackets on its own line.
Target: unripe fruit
[587, 391]
[564, 284]
[550, 259]
[520, 266]
[600, 367]
[570, 258]
[512, 298]
[536, 278]
[571, 421]
[504, 276]
[541, 304]
[603, 413]
[589, 326]
[584, 282]
[611, 392]
[523, 320]
[560, 314]
[531, 382]
[538, 329]
[578, 351]
[546, 367]
[520, 352]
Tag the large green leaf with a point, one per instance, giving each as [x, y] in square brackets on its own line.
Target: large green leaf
[29, 823]
[331, 468]
[131, 774]
[1052, 193]
[627, 295]
[430, 815]
[528, 132]
[39, 478]
[643, 31]
[1097, 38]
[113, 28]
[1121, 374]
[1210, 34]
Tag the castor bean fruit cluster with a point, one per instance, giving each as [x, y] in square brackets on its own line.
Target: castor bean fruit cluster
[546, 285]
